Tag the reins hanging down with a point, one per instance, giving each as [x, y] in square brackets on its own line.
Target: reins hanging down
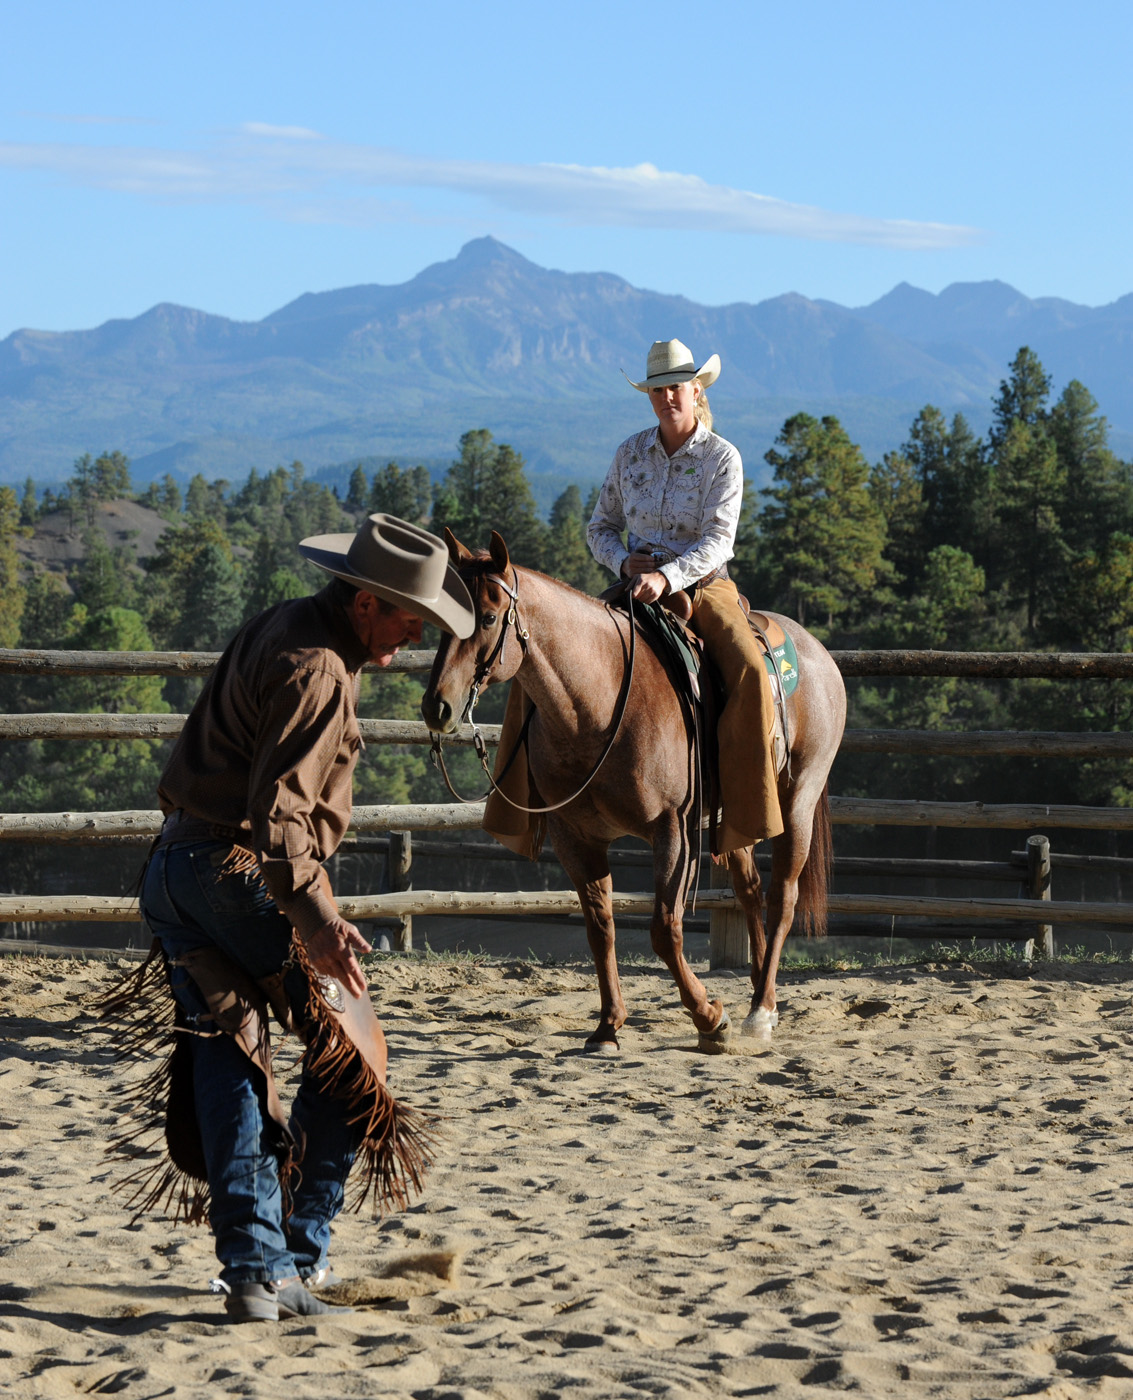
[482, 670]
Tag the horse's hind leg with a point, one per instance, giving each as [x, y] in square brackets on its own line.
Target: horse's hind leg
[588, 868]
[789, 855]
[741, 867]
[670, 873]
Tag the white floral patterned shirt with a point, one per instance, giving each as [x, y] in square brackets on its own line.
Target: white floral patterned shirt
[686, 506]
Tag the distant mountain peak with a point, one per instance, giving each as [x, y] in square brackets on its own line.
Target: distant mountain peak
[374, 368]
[480, 252]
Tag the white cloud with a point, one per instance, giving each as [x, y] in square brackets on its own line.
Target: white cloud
[293, 172]
[296, 133]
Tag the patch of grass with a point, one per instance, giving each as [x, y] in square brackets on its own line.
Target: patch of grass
[476, 957]
[807, 957]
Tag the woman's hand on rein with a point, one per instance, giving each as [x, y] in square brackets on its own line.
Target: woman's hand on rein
[640, 562]
[647, 588]
[649, 583]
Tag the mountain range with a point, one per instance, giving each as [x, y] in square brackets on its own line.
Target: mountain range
[490, 339]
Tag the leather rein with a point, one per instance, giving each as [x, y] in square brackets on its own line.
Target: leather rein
[484, 667]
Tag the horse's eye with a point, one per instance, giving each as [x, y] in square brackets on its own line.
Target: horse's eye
[488, 620]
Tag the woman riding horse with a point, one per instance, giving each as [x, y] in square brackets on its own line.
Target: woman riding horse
[676, 491]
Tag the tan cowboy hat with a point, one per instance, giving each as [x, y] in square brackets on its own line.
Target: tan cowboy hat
[401, 563]
[671, 362]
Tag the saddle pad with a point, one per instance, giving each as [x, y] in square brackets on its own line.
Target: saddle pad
[784, 660]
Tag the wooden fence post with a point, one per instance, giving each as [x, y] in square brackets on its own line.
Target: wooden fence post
[401, 878]
[1038, 887]
[728, 942]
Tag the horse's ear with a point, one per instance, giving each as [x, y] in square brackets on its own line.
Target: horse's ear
[456, 551]
[498, 552]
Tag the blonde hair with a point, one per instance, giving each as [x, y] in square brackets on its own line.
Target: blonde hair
[703, 412]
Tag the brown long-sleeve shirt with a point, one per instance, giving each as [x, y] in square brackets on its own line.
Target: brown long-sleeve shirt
[271, 744]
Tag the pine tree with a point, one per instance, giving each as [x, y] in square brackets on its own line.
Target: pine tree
[950, 602]
[823, 535]
[12, 593]
[195, 593]
[405, 493]
[567, 555]
[1097, 612]
[895, 487]
[1030, 485]
[1097, 498]
[956, 483]
[47, 610]
[486, 489]
[81, 490]
[197, 498]
[169, 498]
[29, 506]
[357, 492]
[104, 577]
[111, 474]
[1022, 397]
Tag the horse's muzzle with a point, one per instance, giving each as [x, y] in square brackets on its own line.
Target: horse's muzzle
[439, 715]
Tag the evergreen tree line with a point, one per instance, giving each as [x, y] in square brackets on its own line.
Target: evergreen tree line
[1022, 540]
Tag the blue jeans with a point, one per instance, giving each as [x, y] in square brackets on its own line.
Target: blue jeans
[188, 906]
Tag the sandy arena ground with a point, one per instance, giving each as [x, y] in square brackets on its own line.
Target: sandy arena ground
[925, 1188]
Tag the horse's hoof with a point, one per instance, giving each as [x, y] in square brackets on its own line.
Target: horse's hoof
[760, 1024]
[596, 1046]
[713, 1042]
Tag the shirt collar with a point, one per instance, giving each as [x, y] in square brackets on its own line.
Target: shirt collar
[694, 446]
[341, 637]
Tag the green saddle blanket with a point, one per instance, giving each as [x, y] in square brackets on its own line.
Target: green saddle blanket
[784, 662]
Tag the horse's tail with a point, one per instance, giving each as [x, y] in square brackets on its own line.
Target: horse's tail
[814, 878]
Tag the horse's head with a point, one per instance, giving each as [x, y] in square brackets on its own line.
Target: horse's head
[494, 650]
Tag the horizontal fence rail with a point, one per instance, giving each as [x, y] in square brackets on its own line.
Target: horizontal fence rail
[20, 661]
[452, 816]
[991, 665]
[403, 903]
[927, 742]
[1005, 816]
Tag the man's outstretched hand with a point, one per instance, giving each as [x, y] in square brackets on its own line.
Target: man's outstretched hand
[331, 951]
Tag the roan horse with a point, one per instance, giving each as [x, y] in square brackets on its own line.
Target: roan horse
[570, 653]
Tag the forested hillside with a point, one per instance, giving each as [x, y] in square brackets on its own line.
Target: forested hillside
[1020, 540]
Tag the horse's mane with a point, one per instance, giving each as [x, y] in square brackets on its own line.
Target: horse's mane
[482, 564]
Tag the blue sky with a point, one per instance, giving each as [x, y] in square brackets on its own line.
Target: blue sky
[232, 156]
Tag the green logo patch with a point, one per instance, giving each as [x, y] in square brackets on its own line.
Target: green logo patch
[784, 660]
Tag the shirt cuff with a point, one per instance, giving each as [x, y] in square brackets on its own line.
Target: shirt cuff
[308, 909]
[675, 574]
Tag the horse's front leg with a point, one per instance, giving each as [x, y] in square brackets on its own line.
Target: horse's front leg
[597, 909]
[666, 932]
[588, 868]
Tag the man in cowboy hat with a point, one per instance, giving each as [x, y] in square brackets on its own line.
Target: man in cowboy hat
[257, 795]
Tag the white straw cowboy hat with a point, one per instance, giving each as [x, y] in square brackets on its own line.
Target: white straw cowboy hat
[671, 362]
[401, 563]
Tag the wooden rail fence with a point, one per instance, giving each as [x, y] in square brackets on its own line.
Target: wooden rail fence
[728, 945]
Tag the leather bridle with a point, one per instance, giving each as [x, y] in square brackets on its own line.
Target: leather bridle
[484, 668]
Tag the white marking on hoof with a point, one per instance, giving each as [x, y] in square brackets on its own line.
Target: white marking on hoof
[602, 1047]
[760, 1024]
